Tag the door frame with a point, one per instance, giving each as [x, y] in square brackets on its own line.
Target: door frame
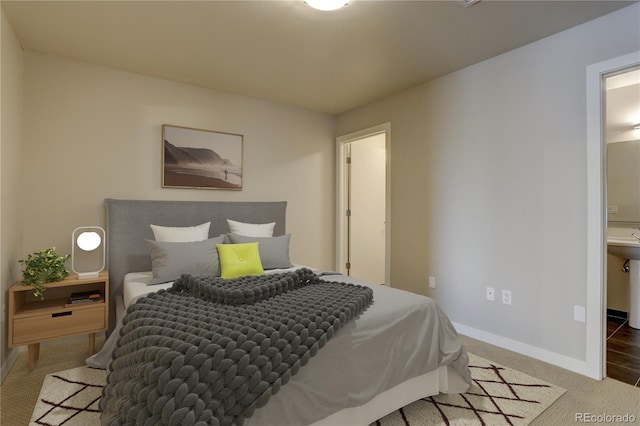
[341, 200]
[596, 212]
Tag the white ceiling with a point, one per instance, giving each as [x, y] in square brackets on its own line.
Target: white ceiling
[286, 52]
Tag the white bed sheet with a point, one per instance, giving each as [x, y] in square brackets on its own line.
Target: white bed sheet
[402, 340]
[136, 285]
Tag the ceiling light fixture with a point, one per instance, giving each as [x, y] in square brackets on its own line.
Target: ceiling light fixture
[636, 127]
[468, 3]
[327, 5]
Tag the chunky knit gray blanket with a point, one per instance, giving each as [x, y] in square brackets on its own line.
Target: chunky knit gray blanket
[210, 351]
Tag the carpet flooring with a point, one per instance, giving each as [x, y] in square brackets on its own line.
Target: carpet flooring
[499, 396]
[20, 389]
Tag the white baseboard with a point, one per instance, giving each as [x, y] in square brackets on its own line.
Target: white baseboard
[568, 363]
[9, 361]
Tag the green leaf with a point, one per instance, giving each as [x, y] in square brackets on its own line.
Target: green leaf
[43, 267]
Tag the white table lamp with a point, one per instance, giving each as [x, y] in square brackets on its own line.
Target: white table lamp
[88, 239]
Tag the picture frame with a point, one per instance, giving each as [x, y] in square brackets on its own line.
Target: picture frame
[201, 159]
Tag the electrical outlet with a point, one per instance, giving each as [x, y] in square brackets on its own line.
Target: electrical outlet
[491, 294]
[506, 297]
[432, 282]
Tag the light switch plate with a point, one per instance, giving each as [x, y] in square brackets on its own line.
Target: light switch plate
[432, 282]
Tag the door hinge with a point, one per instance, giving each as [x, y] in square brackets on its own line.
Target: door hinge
[348, 265]
[348, 212]
[348, 160]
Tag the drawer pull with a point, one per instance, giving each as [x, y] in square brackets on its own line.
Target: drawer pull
[61, 314]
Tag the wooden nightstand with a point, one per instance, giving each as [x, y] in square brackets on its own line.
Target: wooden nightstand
[32, 321]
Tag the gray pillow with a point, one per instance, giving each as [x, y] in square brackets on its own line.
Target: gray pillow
[274, 251]
[170, 260]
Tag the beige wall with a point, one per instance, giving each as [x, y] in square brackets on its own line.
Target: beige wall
[95, 132]
[89, 132]
[11, 124]
[488, 182]
[623, 191]
[623, 180]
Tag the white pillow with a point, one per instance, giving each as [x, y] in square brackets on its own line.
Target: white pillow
[251, 229]
[185, 234]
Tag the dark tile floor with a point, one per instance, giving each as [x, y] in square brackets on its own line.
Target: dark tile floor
[623, 351]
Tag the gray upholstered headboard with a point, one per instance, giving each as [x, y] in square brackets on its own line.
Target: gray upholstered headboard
[128, 226]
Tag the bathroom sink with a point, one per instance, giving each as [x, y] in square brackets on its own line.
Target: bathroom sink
[621, 242]
[626, 247]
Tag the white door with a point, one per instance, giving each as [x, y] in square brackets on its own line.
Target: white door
[366, 208]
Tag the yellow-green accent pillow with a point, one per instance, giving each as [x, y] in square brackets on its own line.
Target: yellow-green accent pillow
[237, 260]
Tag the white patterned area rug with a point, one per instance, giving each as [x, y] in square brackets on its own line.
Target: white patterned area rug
[70, 397]
[499, 396]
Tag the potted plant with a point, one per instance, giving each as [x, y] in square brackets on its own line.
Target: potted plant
[43, 267]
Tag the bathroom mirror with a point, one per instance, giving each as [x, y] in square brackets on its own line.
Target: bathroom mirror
[623, 147]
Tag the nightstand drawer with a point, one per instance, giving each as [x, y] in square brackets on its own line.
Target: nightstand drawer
[64, 323]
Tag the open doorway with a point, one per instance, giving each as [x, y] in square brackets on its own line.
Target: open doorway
[596, 318]
[622, 144]
[363, 204]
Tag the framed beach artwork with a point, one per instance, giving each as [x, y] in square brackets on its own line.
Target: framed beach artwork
[194, 158]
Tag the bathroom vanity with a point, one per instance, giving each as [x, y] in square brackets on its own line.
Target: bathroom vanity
[625, 243]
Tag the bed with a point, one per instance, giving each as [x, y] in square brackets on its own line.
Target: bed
[400, 349]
